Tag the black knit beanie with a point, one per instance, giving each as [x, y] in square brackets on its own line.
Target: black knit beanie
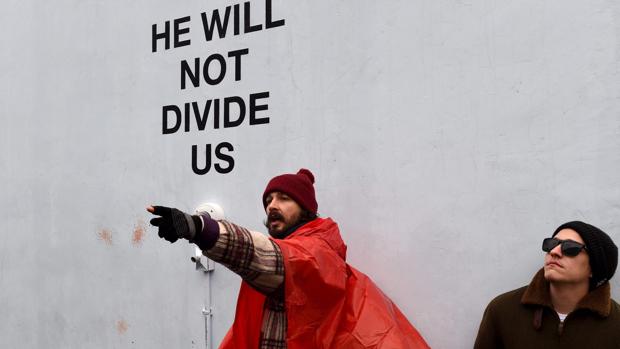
[602, 251]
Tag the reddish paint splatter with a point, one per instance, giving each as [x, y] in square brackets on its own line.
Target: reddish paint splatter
[139, 230]
[105, 235]
[121, 326]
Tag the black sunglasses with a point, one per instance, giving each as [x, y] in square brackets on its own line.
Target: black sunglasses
[569, 247]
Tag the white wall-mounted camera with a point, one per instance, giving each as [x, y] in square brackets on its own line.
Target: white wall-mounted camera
[216, 212]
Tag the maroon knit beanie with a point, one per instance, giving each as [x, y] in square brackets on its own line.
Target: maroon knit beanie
[298, 186]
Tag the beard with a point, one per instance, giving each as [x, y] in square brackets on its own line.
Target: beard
[286, 224]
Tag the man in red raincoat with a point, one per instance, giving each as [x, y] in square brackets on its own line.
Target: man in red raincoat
[298, 292]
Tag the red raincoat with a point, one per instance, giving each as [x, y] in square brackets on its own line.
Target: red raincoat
[329, 304]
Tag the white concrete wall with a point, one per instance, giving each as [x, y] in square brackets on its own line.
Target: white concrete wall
[447, 138]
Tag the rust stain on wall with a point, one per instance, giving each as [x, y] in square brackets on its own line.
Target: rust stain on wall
[139, 230]
[105, 235]
[121, 326]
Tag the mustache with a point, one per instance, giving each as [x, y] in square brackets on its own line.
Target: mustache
[275, 216]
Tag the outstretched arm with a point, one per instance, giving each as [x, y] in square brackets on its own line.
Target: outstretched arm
[251, 255]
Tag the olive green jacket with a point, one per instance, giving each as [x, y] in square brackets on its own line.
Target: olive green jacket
[525, 319]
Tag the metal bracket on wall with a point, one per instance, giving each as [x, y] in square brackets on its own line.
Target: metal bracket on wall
[208, 313]
[202, 262]
[214, 211]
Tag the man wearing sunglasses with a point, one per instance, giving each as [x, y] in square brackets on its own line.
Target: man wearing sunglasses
[568, 302]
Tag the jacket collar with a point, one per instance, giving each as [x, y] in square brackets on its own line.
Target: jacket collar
[325, 229]
[290, 230]
[597, 300]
